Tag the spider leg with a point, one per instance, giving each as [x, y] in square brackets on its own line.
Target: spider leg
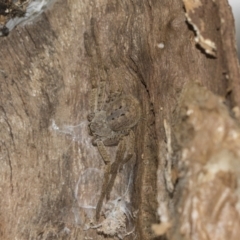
[104, 189]
[103, 152]
[131, 143]
[100, 94]
[106, 158]
[93, 100]
[115, 166]
[97, 96]
[120, 160]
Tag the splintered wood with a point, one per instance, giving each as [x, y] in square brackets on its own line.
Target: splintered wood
[207, 198]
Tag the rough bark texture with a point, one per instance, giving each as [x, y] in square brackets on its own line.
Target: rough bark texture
[51, 174]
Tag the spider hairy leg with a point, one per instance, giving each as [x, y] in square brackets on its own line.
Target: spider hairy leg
[103, 152]
[93, 100]
[115, 166]
[118, 164]
[106, 158]
[131, 143]
[100, 95]
[104, 188]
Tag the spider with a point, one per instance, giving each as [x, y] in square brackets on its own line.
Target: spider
[111, 124]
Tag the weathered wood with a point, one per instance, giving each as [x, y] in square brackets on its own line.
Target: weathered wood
[50, 171]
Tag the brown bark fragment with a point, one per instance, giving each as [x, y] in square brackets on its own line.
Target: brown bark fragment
[212, 23]
[209, 204]
[203, 16]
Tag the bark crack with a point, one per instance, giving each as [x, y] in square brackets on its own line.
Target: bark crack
[30, 36]
[8, 124]
[10, 167]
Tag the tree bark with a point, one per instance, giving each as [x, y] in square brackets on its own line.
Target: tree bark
[51, 174]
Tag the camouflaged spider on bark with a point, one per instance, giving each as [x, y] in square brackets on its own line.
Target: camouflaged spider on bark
[110, 124]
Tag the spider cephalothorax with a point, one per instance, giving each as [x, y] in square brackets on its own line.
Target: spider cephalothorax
[115, 120]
